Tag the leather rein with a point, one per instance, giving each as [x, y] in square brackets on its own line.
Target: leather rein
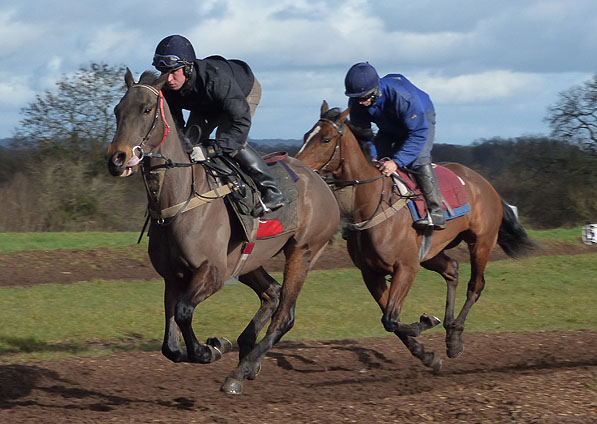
[195, 199]
[377, 216]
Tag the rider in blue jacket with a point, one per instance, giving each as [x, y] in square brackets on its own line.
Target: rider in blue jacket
[405, 118]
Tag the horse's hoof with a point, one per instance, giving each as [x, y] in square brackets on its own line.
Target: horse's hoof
[436, 365]
[455, 352]
[232, 386]
[222, 344]
[255, 372]
[429, 321]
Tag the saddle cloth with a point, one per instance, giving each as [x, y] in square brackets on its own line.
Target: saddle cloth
[274, 223]
[453, 189]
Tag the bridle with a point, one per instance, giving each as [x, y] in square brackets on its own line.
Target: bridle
[378, 216]
[195, 199]
[337, 148]
[159, 110]
[338, 151]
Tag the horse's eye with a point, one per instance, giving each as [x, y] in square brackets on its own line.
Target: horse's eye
[326, 140]
[147, 111]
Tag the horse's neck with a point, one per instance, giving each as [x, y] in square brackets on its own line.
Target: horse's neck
[178, 183]
[356, 167]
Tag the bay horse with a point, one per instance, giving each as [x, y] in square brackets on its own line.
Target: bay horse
[391, 247]
[196, 251]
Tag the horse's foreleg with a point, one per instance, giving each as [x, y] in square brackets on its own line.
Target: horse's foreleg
[407, 333]
[295, 272]
[171, 346]
[203, 284]
[268, 290]
[429, 359]
[402, 280]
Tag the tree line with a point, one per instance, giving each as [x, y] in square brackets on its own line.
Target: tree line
[53, 174]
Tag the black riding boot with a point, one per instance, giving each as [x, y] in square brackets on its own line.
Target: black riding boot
[427, 182]
[253, 164]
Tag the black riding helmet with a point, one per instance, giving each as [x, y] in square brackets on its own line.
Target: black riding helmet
[172, 53]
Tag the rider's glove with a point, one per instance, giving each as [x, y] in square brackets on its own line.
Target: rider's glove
[202, 153]
[198, 154]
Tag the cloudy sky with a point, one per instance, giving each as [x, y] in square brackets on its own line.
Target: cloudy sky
[491, 67]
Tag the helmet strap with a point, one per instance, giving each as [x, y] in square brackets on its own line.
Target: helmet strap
[376, 95]
[188, 69]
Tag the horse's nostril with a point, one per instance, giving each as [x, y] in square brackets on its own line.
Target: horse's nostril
[118, 158]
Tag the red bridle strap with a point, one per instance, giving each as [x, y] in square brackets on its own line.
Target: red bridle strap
[166, 126]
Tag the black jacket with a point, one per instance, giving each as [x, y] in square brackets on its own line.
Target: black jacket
[216, 95]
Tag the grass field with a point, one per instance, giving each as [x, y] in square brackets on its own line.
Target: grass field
[98, 317]
[13, 242]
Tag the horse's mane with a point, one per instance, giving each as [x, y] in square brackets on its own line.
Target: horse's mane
[363, 135]
[148, 77]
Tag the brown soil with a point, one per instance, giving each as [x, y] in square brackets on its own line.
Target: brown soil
[69, 266]
[544, 377]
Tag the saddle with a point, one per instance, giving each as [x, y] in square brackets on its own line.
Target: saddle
[243, 202]
[455, 197]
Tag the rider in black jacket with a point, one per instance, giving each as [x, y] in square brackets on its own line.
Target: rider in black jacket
[220, 94]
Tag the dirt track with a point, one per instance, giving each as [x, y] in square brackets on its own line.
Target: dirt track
[545, 377]
[507, 378]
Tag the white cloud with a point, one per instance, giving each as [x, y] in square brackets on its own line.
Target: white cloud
[478, 88]
[500, 62]
[15, 93]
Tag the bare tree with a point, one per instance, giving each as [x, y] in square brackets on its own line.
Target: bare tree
[77, 116]
[574, 116]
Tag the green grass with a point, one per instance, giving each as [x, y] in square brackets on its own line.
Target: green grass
[567, 235]
[13, 242]
[92, 318]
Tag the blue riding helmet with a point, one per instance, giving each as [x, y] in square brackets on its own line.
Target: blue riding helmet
[173, 52]
[361, 79]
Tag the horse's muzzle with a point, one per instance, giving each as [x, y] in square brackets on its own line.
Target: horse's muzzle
[116, 164]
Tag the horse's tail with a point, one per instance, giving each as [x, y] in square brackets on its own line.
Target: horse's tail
[512, 237]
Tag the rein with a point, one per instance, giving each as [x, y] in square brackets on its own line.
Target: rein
[340, 185]
[158, 109]
[195, 199]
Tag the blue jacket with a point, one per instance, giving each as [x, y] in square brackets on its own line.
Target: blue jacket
[399, 112]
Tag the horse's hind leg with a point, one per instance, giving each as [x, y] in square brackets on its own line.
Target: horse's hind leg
[447, 268]
[479, 256]
[268, 290]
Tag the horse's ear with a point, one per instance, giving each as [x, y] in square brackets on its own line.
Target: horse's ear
[159, 83]
[324, 108]
[128, 78]
[343, 115]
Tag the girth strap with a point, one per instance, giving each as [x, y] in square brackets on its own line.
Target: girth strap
[192, 203]
[380, 217]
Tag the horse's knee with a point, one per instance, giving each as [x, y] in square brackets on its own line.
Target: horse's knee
[389, 324]
[183, 313]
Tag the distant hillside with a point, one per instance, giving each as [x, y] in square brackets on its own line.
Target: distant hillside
[275, 141]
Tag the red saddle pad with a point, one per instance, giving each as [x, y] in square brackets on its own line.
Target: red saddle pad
[450, 184]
